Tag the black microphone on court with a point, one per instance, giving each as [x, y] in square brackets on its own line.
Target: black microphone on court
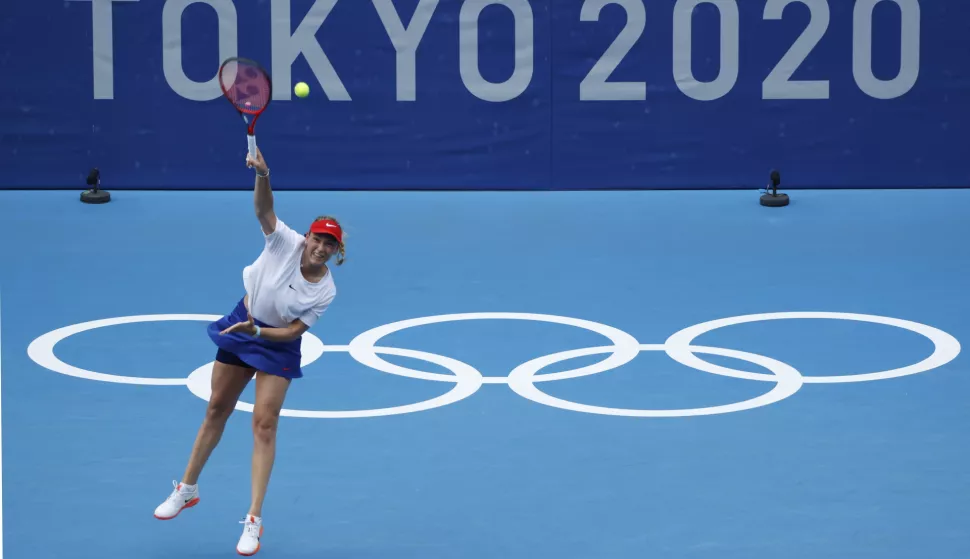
[772, 198]
[95, 195]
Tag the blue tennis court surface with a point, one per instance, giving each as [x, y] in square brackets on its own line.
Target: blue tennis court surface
[491, 440]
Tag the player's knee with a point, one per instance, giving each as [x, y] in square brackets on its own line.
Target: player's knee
[219, 410]
[264, 427]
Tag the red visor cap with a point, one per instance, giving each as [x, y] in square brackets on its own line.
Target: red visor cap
[329, 227]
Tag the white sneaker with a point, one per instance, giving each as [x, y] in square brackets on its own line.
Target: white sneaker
[180, 499]
[252, 530]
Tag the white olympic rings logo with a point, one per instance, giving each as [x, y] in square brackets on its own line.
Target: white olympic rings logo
[523, 378]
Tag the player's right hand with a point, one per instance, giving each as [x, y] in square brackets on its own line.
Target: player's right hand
[258, 163]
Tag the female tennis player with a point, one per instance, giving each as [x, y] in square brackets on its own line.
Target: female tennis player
[287, 288]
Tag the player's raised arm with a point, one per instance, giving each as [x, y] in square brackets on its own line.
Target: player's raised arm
[262, 193]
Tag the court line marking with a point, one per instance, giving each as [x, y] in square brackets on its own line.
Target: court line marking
[468, 380]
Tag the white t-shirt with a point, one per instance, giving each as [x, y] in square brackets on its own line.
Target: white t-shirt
[276, 286]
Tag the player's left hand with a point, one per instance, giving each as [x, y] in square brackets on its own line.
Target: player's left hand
[247, 327]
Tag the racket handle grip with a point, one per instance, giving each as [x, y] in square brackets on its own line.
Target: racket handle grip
[252, 145]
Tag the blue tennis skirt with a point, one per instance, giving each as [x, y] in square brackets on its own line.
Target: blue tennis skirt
[276, 358]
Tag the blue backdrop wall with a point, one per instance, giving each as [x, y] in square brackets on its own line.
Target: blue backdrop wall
[491, 93]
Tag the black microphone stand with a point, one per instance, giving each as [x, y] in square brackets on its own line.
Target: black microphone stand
[773, 199]
[95, 195]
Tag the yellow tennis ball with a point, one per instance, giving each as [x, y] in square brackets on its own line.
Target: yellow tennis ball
[301, 89]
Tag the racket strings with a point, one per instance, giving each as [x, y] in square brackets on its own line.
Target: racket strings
[247, 87]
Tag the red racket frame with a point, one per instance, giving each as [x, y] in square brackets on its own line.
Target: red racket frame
[244, 112]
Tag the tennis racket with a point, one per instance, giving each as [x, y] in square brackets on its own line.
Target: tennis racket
[248, 87]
